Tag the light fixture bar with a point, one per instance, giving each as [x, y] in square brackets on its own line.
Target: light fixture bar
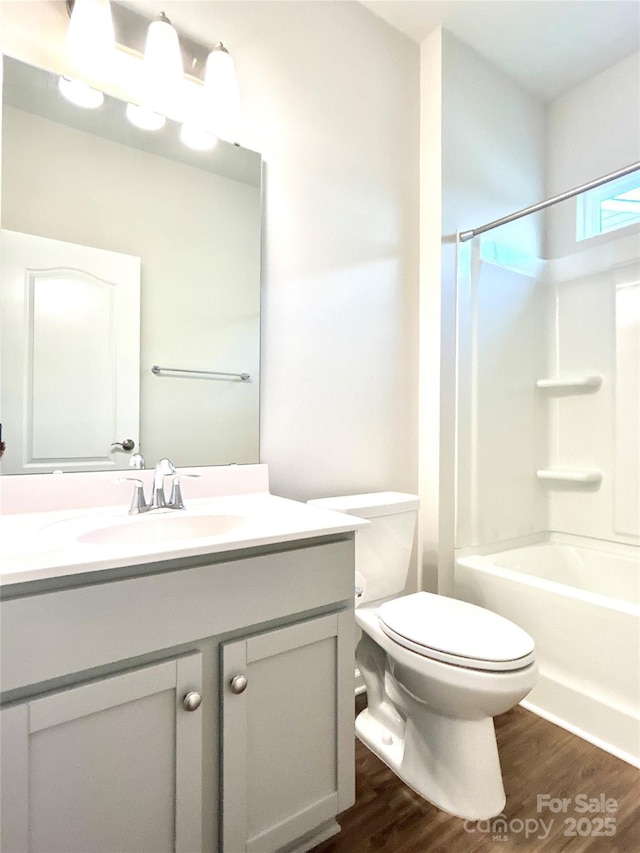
[131, 34]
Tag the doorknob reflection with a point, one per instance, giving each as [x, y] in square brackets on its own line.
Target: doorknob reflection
[128, 444]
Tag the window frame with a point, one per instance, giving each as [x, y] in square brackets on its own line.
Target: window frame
[588, 206]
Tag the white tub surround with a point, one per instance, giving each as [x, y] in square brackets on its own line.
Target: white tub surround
[548, 465]
[579, 600]
[58, 525]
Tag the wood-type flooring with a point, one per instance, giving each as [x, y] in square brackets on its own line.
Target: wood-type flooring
[538, 758]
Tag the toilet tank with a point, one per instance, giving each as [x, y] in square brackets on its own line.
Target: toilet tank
[383, 547]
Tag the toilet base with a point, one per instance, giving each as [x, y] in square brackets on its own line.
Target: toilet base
[451, 763]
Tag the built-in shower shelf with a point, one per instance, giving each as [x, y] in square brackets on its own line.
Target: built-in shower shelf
[572, 383]
[587, 476]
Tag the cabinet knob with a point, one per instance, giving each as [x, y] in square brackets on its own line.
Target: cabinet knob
[238, 684]
[191, 701]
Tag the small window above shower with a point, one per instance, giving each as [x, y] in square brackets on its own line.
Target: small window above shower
[613, 205]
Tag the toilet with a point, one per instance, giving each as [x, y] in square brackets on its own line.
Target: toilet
[436, 669]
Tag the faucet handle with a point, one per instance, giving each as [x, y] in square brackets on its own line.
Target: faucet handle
[138, 503]
[136, 460]
[175, 501]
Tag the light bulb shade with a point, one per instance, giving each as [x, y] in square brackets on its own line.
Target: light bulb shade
[221, 93]
[197, 138]
[90, 41]
[80, 93]
[162, 68]
[144, 118]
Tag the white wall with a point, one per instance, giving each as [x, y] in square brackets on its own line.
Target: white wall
[330, 98]
[494, 147]
[488, 138]
[593, 129]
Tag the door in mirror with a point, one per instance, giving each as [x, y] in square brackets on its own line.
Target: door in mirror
[70, 372]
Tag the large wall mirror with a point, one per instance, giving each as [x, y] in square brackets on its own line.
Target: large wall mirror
[123, 251]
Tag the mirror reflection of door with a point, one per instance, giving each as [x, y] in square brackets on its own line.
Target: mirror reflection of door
[193, 218]
[70, 370]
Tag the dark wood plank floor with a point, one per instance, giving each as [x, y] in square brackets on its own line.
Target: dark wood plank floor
[537, 758]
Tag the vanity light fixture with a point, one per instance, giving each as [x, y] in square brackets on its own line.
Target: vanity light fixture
[90, 45]
[161, 78]
[216, 113]
[206, 103]
[90, 40]
[162, 72]
[221, 91]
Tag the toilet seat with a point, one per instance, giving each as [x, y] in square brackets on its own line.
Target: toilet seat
[456, 632]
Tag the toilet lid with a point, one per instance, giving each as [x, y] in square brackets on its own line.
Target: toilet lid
[456, 632]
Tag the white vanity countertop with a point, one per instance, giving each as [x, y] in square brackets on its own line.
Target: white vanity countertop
[50, 544]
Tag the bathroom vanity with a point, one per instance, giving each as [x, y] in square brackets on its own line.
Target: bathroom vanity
[178, 693]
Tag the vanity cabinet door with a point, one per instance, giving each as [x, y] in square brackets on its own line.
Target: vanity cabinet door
[110, 765]
[287, 734]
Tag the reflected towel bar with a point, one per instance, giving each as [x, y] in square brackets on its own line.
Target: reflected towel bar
[157, 370]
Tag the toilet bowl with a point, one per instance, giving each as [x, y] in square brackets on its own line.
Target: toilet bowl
[436, 670]
[430, 720]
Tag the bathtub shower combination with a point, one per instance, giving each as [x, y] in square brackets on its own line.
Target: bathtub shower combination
[580, 602]
[548, 480]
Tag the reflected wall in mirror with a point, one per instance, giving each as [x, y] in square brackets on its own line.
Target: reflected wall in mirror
[191, 221]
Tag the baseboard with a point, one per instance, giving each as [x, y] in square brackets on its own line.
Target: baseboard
[611, 729]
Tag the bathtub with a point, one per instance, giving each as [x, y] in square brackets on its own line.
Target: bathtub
[580, 601]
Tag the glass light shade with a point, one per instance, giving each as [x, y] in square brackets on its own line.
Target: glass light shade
[90, 41]
[162, 68]
[80, 93]
[197, 138]
[221, 93]
[144, 118]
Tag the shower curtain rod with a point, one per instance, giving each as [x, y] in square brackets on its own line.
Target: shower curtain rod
[534, 208]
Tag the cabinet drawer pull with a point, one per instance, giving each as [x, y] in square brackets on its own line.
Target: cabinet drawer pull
[191, 701]
[238, 684]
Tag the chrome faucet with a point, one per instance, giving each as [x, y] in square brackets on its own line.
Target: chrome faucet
[163, 468]
[175, 501]
[138, 503]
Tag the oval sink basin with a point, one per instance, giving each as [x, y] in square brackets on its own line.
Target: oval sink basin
[162, 528]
